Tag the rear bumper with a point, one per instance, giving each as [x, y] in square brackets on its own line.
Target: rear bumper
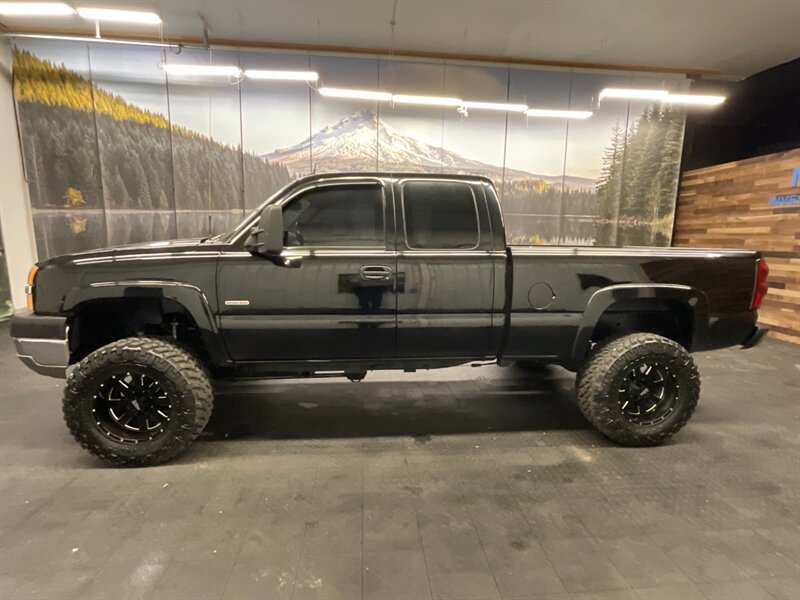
[755, 337]
[42, 342]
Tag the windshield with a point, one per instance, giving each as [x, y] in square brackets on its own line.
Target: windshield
[228, 236]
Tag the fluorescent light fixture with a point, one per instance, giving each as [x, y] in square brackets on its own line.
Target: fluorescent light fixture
[215, 70]
[35, 9]
[122, 16]
[356, 94]
[431, 100]
[90, 40]
[282, 75]
[558, 114]
[496, 106]
[633, 94]
[694, 99]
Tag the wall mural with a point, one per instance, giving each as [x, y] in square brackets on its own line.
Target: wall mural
[116, 151]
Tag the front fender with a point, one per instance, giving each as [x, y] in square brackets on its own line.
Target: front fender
[606, 297]
[189, 296]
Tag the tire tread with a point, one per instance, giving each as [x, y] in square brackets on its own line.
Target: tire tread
[181, 364]
[593, 400]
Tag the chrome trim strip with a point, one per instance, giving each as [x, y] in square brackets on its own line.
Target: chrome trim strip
[626, 286]
[146, 256]
[311, 252]
[633, 251]
[443, 253]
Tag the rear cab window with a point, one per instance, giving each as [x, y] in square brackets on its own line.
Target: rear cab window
[440, 215]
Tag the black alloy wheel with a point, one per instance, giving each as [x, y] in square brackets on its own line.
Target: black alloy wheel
[132, 406]
[648, 392]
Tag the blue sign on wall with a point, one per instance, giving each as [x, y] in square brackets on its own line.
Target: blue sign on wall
[788, 199]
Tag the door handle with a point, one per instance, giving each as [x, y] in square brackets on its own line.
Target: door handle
[376, 273]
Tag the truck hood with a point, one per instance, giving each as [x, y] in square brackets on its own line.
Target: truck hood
[168, 246]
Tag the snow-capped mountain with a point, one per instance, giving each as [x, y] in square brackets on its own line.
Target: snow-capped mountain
[351, 144]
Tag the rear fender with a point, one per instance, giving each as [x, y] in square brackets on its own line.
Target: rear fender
[606, 297]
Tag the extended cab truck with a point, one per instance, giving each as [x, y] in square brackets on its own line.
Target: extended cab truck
[344, 274]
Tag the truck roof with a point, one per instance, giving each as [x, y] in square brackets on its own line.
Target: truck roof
[395, 175]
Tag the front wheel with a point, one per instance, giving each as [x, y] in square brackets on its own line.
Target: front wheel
[639, 389]
[137, 401]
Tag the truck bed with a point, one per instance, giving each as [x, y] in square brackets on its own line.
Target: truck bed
[556, 291]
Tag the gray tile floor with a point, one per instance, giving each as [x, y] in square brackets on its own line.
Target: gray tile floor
[462, 483]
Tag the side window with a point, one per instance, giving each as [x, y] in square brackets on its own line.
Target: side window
[440, 214]
[335, 216]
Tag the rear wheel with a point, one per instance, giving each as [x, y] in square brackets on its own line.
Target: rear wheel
[639, 389]
[137, 401]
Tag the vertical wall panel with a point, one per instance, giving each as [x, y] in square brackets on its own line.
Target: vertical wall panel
[650, 167]
[59, 144]
[411, 135]
[274, 114]
[473, 141]
[593, 151]
[206, 145]
[534, 167]
[134, 146]
[344, 131]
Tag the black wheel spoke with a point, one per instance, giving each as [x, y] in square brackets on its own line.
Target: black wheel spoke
[126, 417]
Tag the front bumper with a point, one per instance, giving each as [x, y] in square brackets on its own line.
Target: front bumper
[42, 342]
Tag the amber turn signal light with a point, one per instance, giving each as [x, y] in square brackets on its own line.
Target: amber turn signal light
[29, 287]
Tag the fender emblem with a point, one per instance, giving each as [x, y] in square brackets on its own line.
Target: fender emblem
[237, 302]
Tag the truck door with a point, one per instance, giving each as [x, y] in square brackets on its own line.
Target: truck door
[340, 302]
[445, 258]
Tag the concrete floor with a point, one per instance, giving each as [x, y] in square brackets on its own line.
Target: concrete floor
[462, 483]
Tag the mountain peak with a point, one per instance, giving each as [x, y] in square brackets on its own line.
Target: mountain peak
[364, 114]
[360, 118]
[361, 142]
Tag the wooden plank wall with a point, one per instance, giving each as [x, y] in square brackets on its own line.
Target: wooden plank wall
[728, 206]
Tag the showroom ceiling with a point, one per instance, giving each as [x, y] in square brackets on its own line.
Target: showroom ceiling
[735, 38]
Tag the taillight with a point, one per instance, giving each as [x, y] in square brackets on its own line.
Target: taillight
[762, 270]
[29, 287]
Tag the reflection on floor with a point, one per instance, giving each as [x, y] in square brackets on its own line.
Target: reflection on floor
[461, 483]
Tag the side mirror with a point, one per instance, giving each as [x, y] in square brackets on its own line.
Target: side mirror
[266, 238]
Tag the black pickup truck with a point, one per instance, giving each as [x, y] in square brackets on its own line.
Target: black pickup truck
[343, 274]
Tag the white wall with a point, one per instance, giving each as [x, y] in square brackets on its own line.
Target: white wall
[15, 212]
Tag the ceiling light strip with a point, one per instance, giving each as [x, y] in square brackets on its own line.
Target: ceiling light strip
[558, 113]
[355, 94]
[495, 106]
[119, 16]
[427, 100]
[696, 99]
[633, 94]
[282, 75]
[94, 40]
